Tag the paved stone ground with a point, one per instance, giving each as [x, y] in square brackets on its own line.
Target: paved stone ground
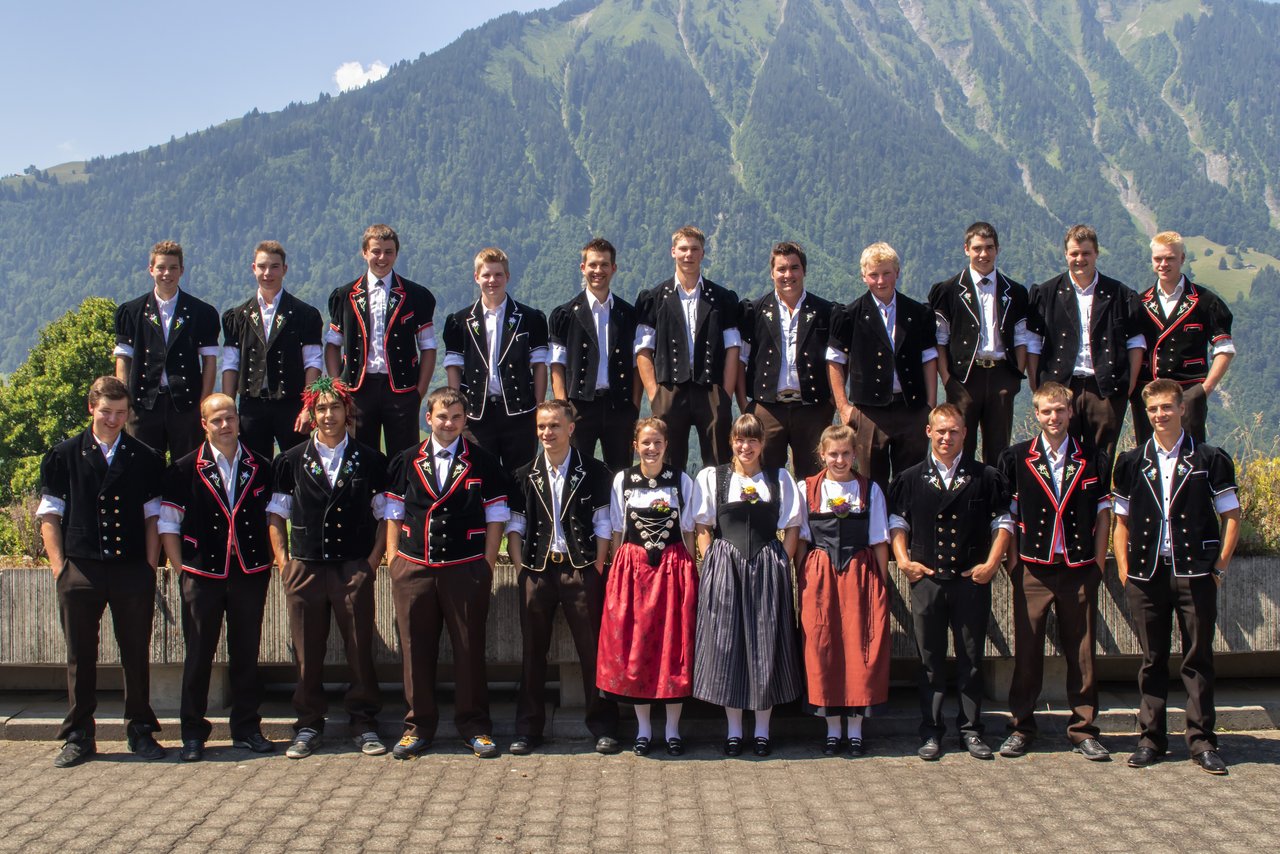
[565, 798]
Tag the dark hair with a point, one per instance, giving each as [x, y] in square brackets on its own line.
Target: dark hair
[599, 244]
[981, 229]
[448, 396]
[379, 231]
[787, 247]
[271, 247]
[563, 407]
[165, 247]
[649, 423]
[1081, 234]
[747, 426]
[107, 388]
[1161, 386]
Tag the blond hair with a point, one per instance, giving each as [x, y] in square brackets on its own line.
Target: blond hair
[877, 254]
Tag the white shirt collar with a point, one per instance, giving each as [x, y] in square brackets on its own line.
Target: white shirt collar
[1172, 452]
[563, 468]
[977, 277]
[267, 303]
[221, 458]
[693, 294]
[947, 471]
[1084, 291]
[108, 450]
[783, 306]
[1178, 290]
[886, 306]
[452, 447]
[499, 311]
[165, 303]
[1057, 452]
[325, 450]
[594, 304]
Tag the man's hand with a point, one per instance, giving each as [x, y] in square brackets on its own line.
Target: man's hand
[982, 573]
[847, 412]
[914, 570]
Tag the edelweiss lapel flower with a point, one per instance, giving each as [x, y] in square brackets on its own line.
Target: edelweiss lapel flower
[1043, 469]
[1151, 475]
[361, 303]
[960, 481]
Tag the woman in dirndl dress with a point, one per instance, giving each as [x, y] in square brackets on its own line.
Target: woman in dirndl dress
[650, 608]
[844, 593]
[746, 654]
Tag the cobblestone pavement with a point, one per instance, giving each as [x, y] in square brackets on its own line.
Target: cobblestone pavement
[565, 798]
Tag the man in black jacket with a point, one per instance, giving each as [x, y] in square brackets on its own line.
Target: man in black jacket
[1177, 524]
[167, 354]
[332, 489]
[784, 347]
[100, 497]
[213, 525]
[271, 352]
[883, 345]
[558, 540]
[982, 342]
[1091, 343]
[593, 359]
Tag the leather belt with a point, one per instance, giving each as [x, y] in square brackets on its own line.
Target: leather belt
[988, 363]
[790, 396]
[558, 557]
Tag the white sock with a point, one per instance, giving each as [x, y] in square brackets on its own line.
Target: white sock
[735, 721]
[673, 719]
[855, 727]
[762, 722]
[644, 727]
[833, 726]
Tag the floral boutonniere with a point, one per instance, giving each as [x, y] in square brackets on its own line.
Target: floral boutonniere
[177, 323]
[361, 302]
[1151, 475]
[960, 481]
[457, 469]
[809, 316]
[151, 315]
[255, 317]
[350, 465]
[475, 326]
[511, 322]
[660, 505]
[1068, 471]
[934, 481]
[749, 494]
[279, 321]
[839, 505]
[1043, 469]
[1183, 469]
[244, 477]
[315, 468]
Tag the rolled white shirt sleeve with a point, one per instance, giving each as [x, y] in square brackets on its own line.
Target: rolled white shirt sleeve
[151, 509]
[230, 359]
[427, 338]
[943, 330]
[559, 355]
[732, 338]
[453, 360]
[498, 511]
[378, 504]
[51, 505]
[333, 336]
[600, 523]
[837, 356]
[281, 505]
[897, 523]
[929, 355]
[539, 356]
[125, 350]
[1137, 342]
[313, 357]
[394, 508]
[171, 517]
[516, 525]
[646, 338]
[1022, 336]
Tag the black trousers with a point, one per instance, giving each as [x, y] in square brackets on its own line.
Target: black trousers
[960, 608]
[1194, 416]
[1097, 420]
[165, 427]
[240, 599]
[794, 426]
[986, 401]
[387, 414]
[889, 439]
[86, 588]
[265, 423]
[513, 439]
[1154, 605]
[612, 424]
[705, 408]
[1073, 594]
[315, 592]
[580, 592]
[427, 600]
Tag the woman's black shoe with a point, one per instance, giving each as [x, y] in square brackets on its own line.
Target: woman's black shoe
[856, 747]
[675, 746]
[733, 746]
[641, 747]
[762, 748]
[832, 746]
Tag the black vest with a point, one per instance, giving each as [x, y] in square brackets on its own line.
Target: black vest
[104, 517]
[652, 528]
[586, 490]
[950, 527]
[1180, 347]
[1202, 472]
[444, 527]
[271, 366]
[331, 522]
[573, 328]
[841, 537]
[956, 300]
[1055, 315]
[761, 326]
[194, 325]
[858, 331]
[1042, 512]
[410, 309]
[524, 330]
[748, 526]
[217, 536]
[659, 308]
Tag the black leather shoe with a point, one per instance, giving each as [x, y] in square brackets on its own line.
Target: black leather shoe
[930, 750]
[733, 746]
[675, 746]
[977, 748]
[1145, 757]
[856, 747]
[1015, 745]
[1093, 750]
[522, 746]
[192, 750]
[1210, 761]
[145, 746]
[831, 747]
[257, 742]
[642, 746]
[607, 745]
[762, 747]
[74, 752]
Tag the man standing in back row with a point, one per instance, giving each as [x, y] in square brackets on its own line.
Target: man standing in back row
[687, 345]
[381, 343]
[1092, 344]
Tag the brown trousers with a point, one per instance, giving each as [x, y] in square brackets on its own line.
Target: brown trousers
[1073, 595]
[427, 600]
[889, 438]
[166, 427]
[986, 401]
[580, 592]
[85, 589]
[315, 592]
[705, 408]
[797, 426]
[1097, 420]
[613, 425]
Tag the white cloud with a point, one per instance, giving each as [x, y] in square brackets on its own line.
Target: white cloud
[353, 75]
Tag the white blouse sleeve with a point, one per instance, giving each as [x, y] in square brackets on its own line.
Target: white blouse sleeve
[704, 512]
[791, 511]
[615, 503]
[690, 496]
[878, 523]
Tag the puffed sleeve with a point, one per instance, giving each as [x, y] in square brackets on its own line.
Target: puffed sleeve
[841, 335]
[124, 332]
[616, 509]
[1126, 469]
[312, 334]
[704, 512]
[791, 507]
[1006, 464]
[690, 495]
[537, 329]
[455, 336]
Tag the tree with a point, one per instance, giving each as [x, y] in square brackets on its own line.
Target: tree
[1222, 262]
[43, 401]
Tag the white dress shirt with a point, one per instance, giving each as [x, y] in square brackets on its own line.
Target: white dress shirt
[600, 320]
[312, 354]
[1084, 306]
[600, 526]
[165, 308]
[990, 343]
[331, 461]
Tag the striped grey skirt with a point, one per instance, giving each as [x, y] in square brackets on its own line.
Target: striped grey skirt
[746, 655]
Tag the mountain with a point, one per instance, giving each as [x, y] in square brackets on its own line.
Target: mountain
[831, 122]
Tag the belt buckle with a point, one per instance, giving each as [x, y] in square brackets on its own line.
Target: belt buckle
[986, 363]
[790, 397]
[557, 557]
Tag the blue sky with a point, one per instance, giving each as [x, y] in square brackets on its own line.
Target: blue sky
[88, 78]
